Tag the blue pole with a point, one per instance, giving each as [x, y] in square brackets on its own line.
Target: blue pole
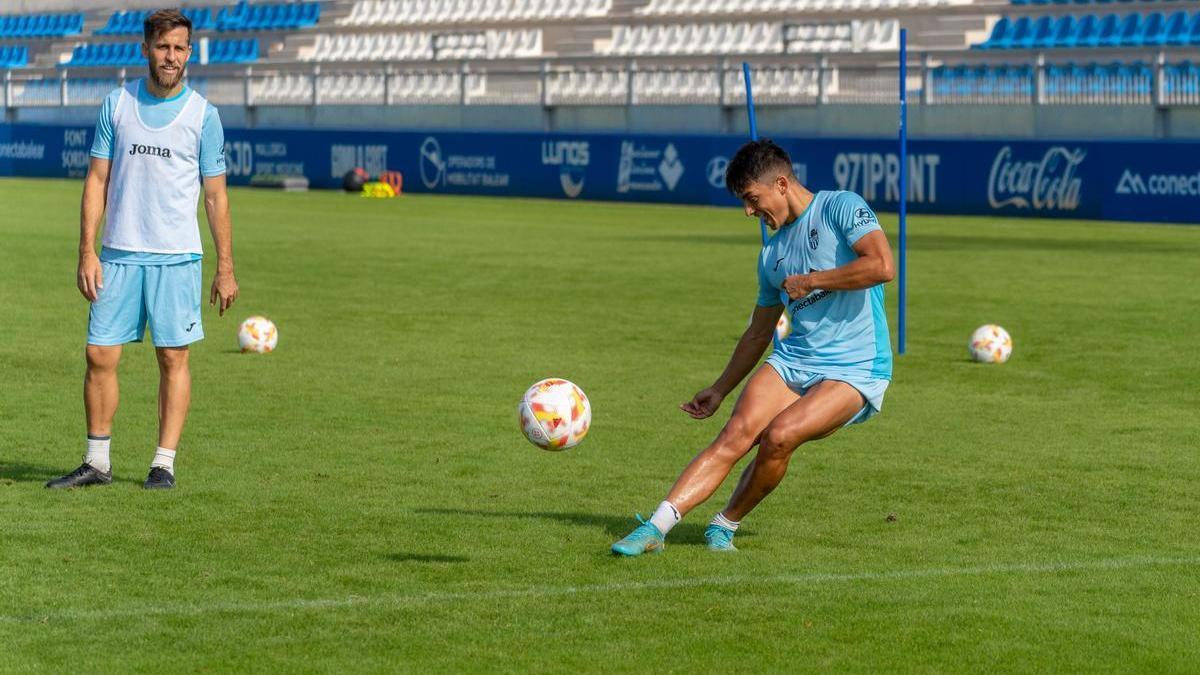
[762, 224]
[903, 304]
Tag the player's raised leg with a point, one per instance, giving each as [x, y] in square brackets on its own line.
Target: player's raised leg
[101, 394]
[765, 395]
[823, 409]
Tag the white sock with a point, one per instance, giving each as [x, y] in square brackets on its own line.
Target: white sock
[165, 459]
[665, 517]
[726, 523]
[97, 452]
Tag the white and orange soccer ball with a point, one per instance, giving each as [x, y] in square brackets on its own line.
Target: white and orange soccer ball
[991, 344]
[783, 327]
[554, 414]
[258, 334]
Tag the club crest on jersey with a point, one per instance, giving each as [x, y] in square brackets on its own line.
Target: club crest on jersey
[135, 149]
[813, 239]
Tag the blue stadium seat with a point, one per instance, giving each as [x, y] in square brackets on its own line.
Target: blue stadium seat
[311, 14]
[1127, 32]
[1193, 36]
[1022, 33]
[202, 18]
[1063, 33]
[231, 18]
[1151, 32]
[1175, 32]
[1043, 32]
[1083, 28]
[1001, 35]
[15, 56]
[1107, 33]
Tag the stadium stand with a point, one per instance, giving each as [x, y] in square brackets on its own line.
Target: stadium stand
[619, 52]
[246, 17]
[130, 23]
[1090, 30]
[696, 8]
[130, 53]
[415, 12]
[752, 38]
[13, 57]
[40, 25]
[424, 46]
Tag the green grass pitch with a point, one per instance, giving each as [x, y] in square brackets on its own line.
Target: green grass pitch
[362, 500]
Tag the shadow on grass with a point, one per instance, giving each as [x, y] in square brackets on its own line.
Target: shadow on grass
[424, 558]
[31, 473]
[615, 526]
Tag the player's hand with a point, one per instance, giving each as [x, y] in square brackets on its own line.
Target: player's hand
[703, 404]
[90, 277]
[225, 289]
[798, 285]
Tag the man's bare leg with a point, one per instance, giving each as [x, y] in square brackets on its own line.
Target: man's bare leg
[100, 398]
[174, 398]
[765, 395]
[101, 395]
[820, 412]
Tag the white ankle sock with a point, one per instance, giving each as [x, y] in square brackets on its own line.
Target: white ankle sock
[97, 452]
[665, 517]
[726, 523]
[165, 459]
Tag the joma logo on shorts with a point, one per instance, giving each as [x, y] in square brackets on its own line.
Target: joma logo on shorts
[136, 149]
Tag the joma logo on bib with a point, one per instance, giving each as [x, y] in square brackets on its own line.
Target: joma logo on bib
[136, 149]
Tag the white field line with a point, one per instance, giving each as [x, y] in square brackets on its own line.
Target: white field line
[441, 597]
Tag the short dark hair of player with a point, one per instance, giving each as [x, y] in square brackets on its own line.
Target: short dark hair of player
[755, 160]
[163, 21]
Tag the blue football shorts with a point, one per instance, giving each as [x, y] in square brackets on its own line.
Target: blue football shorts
[800, 381]
[164, 297]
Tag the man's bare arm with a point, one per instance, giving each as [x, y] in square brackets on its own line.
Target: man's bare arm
[216, 208]
[745, 356]
[873, 266]
[89, 277]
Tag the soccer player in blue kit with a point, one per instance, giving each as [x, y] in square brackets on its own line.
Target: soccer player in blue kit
[157, 144]
[825, 267]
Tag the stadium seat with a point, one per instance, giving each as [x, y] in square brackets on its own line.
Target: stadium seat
[1022, 33]
[14, 56]
[1125, 33]
[1064, 32]
[1043, 32]
[40, 25]
[1106, 32]
[1001, 36]
[1151, 32]
[1175, 32]
[1083, 28]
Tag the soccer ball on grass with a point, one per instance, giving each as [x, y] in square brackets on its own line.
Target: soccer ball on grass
[990, 344]
[257, 334]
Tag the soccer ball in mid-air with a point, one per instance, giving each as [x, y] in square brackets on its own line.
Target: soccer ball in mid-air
[990, 344]
[257, 334]
[554, 414]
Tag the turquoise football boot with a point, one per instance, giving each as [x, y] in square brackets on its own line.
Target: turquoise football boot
[645, 538]
[719, 538]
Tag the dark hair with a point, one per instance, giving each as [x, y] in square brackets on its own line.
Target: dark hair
[753, 161]
[165, 20]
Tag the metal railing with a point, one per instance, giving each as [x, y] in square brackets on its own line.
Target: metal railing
[798, 81]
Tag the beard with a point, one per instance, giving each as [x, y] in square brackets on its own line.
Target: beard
[168, 82]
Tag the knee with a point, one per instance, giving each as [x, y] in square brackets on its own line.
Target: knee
[778, 441]
[102, 358]
[173, 360]
[737, 435]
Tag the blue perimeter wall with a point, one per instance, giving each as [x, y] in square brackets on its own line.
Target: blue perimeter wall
[1155, 181]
